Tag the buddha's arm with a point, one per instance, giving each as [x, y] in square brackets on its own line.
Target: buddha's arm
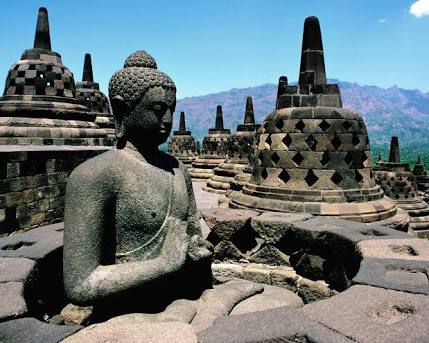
[89, 244]
[194, 227]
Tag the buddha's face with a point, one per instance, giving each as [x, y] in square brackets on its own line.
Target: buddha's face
[150, 121]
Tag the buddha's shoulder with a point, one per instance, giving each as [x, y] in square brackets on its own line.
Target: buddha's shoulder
[106, 165]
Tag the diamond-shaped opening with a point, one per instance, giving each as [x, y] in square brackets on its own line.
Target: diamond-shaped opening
[280, 124]
[311, 142]
[297, 158]
[336, 142]
[246, 240]
[268, 141]
[275, 158]
[264, 174]
[355, 140]
[311, 178]
[336, 178]
[325, 158]
[284, 176]
[363, 156]
[358, 176]
[348, 158]
[347, 125]
[287, 140]
[300, 125]
[324, 125]
[213, 238]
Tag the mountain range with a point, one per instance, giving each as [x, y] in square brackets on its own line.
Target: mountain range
[387, 112]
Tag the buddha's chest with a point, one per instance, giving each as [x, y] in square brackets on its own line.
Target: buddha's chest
[146, 198]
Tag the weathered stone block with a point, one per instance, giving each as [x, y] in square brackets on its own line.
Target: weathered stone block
[269, 326]
[12, 302]
[255, 274]
[285, 278]
[225, 222]
[371, 314]
[31, 330]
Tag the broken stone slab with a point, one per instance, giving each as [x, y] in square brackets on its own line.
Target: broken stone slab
[76, 315]
[15, 269]
[12, 302]
[225, 221]
[372, 314]
[270, 255]
[35, 244]
[135, 331]
[31, 330]
[272, 297]
[337, 237]
[311, 291]
[272, 226]
[398, 274]
[285, 324]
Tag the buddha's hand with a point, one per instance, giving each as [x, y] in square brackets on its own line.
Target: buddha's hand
[176, 243]
[199, 248]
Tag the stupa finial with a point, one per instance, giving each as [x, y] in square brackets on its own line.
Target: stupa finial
[87, 74]
[42, 39]
[182, 123]
[394, 150]
[249, 116]
[312, 69]
[219, 118]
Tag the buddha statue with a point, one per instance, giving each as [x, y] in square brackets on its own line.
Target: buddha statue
[132, 235]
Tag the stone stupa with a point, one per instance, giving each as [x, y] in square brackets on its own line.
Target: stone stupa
[182, 145]
[400, 184]
[239, 155]
[214, 150]
[89, 94]
[422, 178]
[39, 104]
[313, 156]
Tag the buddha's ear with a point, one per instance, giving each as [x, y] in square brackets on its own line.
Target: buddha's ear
[119, 107]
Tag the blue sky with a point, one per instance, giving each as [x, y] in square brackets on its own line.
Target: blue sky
[211, 46]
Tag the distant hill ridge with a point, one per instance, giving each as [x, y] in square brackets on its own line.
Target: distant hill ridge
[387, 112]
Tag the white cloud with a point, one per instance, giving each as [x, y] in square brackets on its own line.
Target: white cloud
[382, 20]
[420, 8]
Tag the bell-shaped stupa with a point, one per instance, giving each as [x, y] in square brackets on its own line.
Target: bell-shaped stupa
[239, 154]
[39, 104]
[182, 145]
[312, 155]
[400, 184]
[89, 94]
[215, 149]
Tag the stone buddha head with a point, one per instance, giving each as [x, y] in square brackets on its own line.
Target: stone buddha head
[143, 102]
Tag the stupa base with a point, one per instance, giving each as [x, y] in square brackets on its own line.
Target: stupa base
[382, 209]
[223, 176]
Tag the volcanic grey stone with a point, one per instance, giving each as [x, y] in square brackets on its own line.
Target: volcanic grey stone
[135, 332]
[270, 255]
[15, 269]
[272, 226]
[131, 224]
[285, 324]
[35, 244]
[31, 330]
[221, 300]
[311, 291]
[371, 314]
[272, 297]
[402, 275]
[12, 302]
[225, 221]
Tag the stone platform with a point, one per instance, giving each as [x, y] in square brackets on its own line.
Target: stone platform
[387, 290]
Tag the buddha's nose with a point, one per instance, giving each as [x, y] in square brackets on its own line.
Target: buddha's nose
[167, 118]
